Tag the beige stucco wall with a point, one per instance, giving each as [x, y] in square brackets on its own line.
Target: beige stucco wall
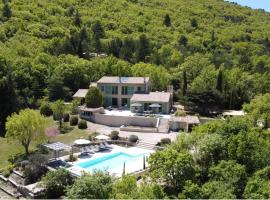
[117, 121]
[165, 106]
[119, 96]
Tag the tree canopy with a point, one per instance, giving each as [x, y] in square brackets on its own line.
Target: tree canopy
[26, 126]
[94, 98]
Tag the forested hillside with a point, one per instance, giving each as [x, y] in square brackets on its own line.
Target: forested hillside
[215, 54]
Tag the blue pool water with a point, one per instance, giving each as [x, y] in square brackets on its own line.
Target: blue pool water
[113, 163]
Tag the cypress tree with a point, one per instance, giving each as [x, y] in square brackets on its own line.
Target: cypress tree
[184, 83]
[220, 82]
[194, 23]
[98, 33]
[167, 20]
[142, 49]
[77, 19]
[183, 40]
[6, 11]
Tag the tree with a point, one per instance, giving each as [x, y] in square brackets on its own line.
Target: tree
[159, 76]
[56, 88]
[126, 188]
[114, 47]
[127, 49]
[220, 81]
[258, 186]
[259, 110]
[58, 108]
[8, 100]
[217, 190]
[230, 173]
[250, 149]
[6, 11]
[167, 20]
[95, 186]
[194, 23]
[183, 40]
[77, 19]
[98, 33]
[190, 191]
[211, 149]
[26, 126]
[56, 182]
[173, 167]
[142, 48]
[94, 98]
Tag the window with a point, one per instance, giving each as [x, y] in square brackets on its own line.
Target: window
[124, 90]
[139, 89]
[114, 89]
[114, 102]
[124, 102]
[103, 88]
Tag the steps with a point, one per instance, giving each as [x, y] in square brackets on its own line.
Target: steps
[9, 189]
[163, 125]
[146, 145]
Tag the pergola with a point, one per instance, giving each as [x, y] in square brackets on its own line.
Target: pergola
[57, 147]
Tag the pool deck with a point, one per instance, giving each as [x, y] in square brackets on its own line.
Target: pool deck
[129, 113]
[129, 168]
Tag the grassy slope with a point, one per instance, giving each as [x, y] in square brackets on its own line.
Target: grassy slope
[11, 148]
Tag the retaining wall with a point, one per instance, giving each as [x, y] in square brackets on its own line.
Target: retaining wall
[116, 121]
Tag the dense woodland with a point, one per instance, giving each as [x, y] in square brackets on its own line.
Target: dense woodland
[215, 54]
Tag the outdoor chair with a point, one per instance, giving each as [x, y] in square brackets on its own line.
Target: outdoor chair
[84, 152]
[106, 144]
[94, 148]
[89, 150]
[102, 146]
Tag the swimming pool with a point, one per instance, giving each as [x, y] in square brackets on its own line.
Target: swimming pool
[114, 163]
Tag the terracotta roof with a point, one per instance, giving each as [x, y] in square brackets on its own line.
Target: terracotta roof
[187, 119]
[81, 93]
[127, 80]
[153, 97]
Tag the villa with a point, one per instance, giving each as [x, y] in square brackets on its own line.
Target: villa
[130, 104]
[132, 93]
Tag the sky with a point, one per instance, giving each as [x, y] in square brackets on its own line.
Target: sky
[264, 4]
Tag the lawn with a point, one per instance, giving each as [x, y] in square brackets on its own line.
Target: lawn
[10, 148]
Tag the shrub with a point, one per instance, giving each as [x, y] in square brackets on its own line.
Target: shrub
[66, 117]
[82, 124]
[65, 128]
[114, 135]
[94, 98]
[72, 158]
[16, 158]
[165, 141]
[73, 120]
[56, 182]
[6, 171]
[133, 138]
[180, 113]
[35, 169]
[45, 109]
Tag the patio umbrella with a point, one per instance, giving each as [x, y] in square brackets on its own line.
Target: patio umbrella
[102, 137]
[136, 105]
[154, 105]
[81, 142]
